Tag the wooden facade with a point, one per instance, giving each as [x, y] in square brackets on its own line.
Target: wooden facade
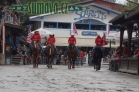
[126, 20]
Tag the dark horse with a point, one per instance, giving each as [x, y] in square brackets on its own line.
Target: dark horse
[97, 55]
[49, 55]
[35, 53]
[72, 54]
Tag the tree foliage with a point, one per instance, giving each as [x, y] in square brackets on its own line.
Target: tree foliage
[131, 4]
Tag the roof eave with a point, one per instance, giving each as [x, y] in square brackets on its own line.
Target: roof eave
[117, 18]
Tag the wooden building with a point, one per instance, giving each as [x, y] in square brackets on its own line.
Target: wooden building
[127, 21]
[9, 25]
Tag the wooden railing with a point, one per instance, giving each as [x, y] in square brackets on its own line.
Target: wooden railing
[129, 65]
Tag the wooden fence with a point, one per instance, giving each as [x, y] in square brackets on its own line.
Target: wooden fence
[129, 65]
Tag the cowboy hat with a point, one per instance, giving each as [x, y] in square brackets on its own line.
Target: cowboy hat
[72, 33]
[51, 34]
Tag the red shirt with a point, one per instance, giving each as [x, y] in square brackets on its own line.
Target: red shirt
[117, 56]
[72, 40]
[98, 40]
[82, 54]
[51, 40]
[125, 51]
[36, 37]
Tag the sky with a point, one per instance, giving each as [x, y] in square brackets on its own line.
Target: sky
[121, 1]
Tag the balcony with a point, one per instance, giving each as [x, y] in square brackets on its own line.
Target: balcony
[11, 18]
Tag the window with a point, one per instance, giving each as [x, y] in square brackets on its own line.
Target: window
[114, 28]
[49, 25]
[98, 27]
[82, 26]
[64, 25]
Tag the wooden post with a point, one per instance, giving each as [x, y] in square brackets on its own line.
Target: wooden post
[3, 39]
[121, 39]
[138, 33]
[129, 30]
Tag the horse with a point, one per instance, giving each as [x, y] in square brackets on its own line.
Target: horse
[97, 56]
[50, 55]
[35, 53]
[72, 54]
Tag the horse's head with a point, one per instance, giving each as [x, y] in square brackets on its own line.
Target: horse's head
[71, 46]
[50, 49]
[34, 44]
[50, 46]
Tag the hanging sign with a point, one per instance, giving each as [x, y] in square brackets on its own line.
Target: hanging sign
[44, 8]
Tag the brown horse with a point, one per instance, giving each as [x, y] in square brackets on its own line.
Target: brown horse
[35, 53]
[49, 55]
[72, 54]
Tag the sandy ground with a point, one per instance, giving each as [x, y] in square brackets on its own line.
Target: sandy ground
[60, 79]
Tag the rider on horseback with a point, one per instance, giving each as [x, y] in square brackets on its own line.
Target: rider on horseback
[36, 36]
[71, 39]
[51, 40]
[98, 42]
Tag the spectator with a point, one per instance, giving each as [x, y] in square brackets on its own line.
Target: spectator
[1, 13]
[9, 40]
[82, 57]
[135, 55]
[59, 58]
[125, 50]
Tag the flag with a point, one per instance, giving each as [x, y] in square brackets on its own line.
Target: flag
[74, 27]
[108, 31]
[29, 36]
[104, 42]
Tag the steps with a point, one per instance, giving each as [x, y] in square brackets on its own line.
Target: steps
[16, 60]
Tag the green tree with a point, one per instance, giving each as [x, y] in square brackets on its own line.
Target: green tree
[131, 4]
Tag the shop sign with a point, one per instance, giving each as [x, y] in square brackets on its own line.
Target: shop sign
[88, 33]
[91, 14]
[44, 8]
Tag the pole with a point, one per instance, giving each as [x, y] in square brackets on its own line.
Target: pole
[3, 39]
[110, 48]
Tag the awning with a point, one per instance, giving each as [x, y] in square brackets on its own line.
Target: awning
[11, 26]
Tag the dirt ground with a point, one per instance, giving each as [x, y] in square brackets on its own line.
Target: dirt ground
[61, 79]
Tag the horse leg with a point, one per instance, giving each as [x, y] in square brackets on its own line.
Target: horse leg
[94, 63]
[99, 64]
[34, 65]
[51, 62]
[69, 63]
[37, 61]
[48, 62]
[73, 63]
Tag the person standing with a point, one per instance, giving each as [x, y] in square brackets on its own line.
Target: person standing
[81, 57]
